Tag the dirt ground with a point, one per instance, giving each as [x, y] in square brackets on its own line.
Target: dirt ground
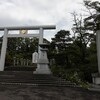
[22, 92]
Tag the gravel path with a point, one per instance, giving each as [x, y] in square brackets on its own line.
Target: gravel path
[20, 92]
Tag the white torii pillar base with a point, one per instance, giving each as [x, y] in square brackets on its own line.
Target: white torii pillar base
[96, 78]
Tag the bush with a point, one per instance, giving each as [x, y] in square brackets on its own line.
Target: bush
[72, 75]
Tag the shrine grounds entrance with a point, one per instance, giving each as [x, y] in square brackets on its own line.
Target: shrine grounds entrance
[6, 36]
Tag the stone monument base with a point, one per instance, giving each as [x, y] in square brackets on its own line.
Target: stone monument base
[42, 69]
[96, 78]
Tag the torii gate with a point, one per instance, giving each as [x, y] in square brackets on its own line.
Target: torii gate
[6, 36]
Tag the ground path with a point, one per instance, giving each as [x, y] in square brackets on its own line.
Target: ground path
[20, 92]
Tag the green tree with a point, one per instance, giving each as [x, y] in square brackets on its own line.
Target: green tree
[81, 36]
[60, 47]
[92, 22]
[20, 48]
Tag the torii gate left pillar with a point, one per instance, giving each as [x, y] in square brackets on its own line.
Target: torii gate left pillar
[3, 50]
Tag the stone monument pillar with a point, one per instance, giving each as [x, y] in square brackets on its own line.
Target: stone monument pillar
[35, 57]
[42, 67]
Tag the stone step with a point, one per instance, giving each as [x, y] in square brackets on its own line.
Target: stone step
[53, 83]
[20, 68]
[25, 77]
[12, 77]
[35, 81]
[31, 84]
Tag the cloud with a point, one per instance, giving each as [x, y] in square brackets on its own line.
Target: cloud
[38, 12]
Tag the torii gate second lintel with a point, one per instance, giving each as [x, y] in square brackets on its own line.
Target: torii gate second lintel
[6, 35]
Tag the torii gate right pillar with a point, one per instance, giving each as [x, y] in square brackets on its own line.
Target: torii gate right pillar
[96, 76]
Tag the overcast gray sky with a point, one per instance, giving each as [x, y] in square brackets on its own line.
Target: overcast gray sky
[39, 12]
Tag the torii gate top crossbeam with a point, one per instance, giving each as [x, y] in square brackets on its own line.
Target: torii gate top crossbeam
[46, 27]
